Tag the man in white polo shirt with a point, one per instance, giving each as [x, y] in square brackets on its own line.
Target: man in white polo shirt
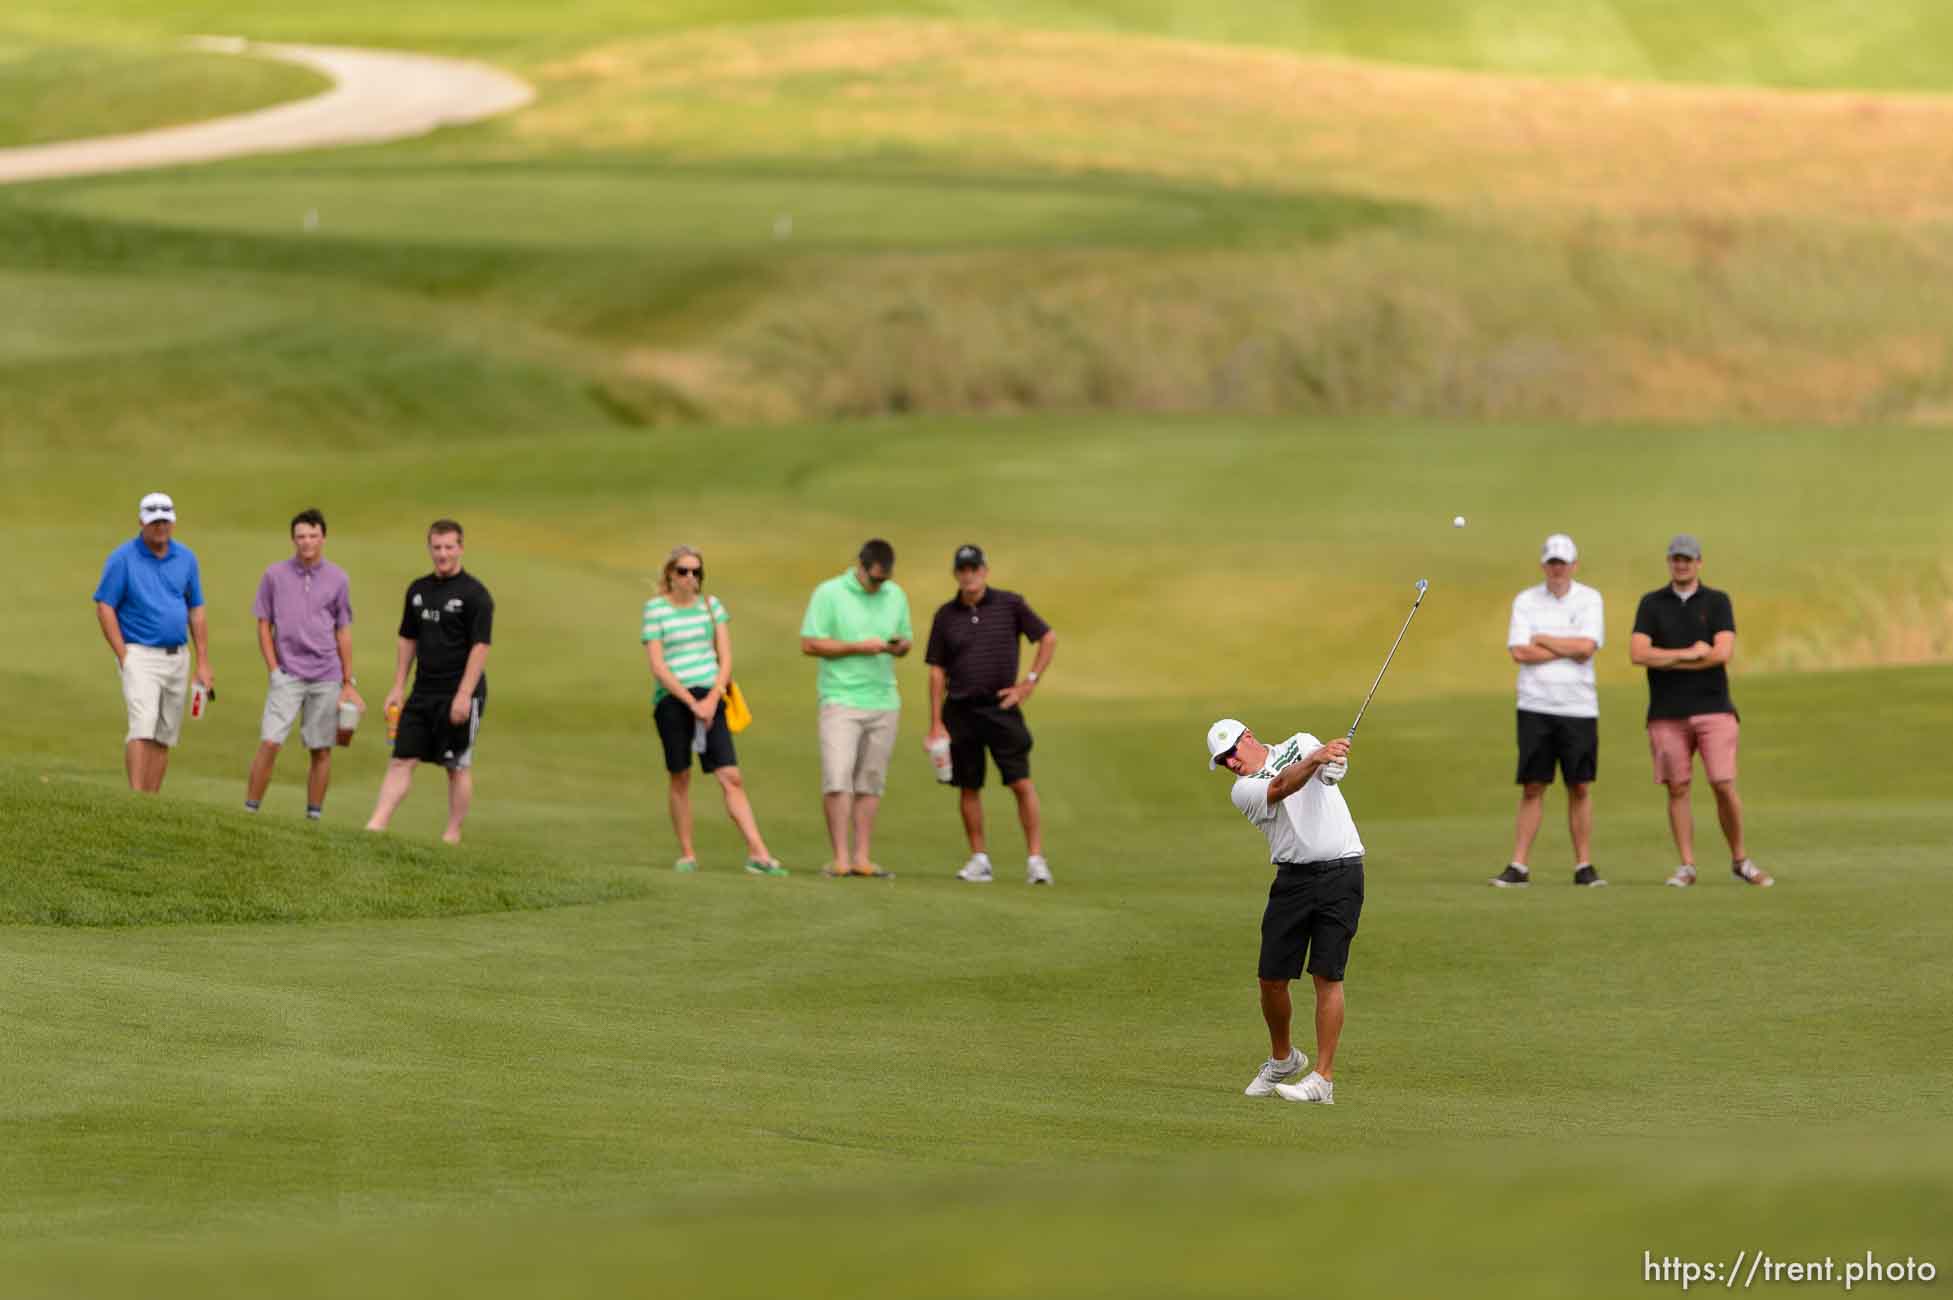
[1289, 792]
[1556, 628]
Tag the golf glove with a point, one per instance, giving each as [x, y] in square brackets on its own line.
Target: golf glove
[1331, 773]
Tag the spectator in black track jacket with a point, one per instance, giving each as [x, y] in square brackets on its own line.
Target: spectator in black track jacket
[446, 624]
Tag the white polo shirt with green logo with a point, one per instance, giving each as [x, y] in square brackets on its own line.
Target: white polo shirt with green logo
[843, 610]
[1311, 825]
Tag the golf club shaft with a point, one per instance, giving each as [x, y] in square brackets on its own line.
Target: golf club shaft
[1422, 587]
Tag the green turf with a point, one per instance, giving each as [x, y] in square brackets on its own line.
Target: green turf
[709, 212]
[260, 1057]
[55, 91]
[1801, 43]
[722, 1049]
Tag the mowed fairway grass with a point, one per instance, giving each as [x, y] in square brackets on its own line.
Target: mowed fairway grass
[921, 1087]
[252, 1056]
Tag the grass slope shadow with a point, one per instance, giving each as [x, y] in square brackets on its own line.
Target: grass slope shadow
[82, 856]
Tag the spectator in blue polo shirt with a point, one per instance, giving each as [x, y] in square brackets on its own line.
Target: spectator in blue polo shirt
[150, 604]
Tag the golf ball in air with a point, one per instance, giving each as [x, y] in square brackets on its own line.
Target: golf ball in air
[1457, 521]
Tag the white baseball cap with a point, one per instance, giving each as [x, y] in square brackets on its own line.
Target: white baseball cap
[1559, 547]
[157, 505]
[1220, 738]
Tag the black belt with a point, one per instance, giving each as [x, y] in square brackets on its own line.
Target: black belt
[166, 649]
[1312, 867]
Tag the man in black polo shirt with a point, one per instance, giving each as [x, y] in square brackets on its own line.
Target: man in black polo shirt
[1685, 636]
[974, 699]
[445, 624]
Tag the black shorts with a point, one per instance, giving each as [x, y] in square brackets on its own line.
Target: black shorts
[677, 725]
[1547, 738]
[974, 727]
[1312, 911]
[426, 735]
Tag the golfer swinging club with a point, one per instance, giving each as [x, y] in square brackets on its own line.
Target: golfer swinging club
[1289, 792]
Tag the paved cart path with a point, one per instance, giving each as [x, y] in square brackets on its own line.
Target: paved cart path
[377, 95]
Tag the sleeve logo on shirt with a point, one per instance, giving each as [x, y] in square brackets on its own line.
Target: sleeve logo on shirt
[1290, 752]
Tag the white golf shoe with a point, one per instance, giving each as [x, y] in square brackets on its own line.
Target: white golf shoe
[1037, 871]
[1269, 1077]
[1684, 877]
[1313, 1088]
[976, 870]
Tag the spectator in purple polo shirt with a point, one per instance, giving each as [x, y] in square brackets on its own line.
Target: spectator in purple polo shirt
[150, 607]
[305, 617]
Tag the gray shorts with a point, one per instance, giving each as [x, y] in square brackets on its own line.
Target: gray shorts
[314, 706]
[855, 748]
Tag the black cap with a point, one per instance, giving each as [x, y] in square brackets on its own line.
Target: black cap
[969, 557]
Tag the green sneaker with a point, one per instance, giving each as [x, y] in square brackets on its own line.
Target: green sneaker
[757, 867]
[685, 864]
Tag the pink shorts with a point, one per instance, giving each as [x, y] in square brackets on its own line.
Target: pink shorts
[1674, 742]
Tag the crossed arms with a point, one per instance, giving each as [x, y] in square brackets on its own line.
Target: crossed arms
[1691, 659]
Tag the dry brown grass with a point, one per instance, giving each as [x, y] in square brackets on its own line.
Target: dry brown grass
[1606, 251]
[988, 96]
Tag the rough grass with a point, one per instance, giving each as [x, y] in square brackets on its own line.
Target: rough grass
[1797, 43]
[1176, 300]
[833, 219]
[1249, 117]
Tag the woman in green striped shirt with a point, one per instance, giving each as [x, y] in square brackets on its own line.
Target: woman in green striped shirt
[690, 650]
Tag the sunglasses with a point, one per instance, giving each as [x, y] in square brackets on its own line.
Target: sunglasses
[1226, 756]
[680, 571]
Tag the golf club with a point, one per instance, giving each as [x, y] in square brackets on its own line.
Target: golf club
[1423, 585]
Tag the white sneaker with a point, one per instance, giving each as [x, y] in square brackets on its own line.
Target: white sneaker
[1037, 871]
[1751, 874]
[976, 870]
[1313, 1088]
[1684, 877]
[1272, 1072]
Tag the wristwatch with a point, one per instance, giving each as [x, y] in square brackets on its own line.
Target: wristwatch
[1031, 677]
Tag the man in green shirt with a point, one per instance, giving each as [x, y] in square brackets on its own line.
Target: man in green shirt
[857, 625]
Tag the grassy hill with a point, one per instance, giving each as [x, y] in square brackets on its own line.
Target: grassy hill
[700, 1051]
[807, 213]
[1206, 343]
[1799, 43]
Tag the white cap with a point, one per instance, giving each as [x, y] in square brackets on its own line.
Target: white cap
[1221, 737]
[1559, 547]
[157, 505]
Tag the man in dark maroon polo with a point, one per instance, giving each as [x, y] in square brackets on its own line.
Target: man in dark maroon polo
[975, 701]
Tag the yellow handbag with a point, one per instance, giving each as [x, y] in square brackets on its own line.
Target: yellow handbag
[738, 716]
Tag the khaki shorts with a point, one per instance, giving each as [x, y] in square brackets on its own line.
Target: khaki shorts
[313, 705]
[156, 689]
[1674, 742]
[855, 748]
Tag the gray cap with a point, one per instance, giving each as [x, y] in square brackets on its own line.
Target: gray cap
[1685, 544]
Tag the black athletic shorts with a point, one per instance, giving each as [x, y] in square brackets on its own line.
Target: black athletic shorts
[677, 725]
[974, 727]
[1547, 738]
[1312, 911]
[426, 734]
